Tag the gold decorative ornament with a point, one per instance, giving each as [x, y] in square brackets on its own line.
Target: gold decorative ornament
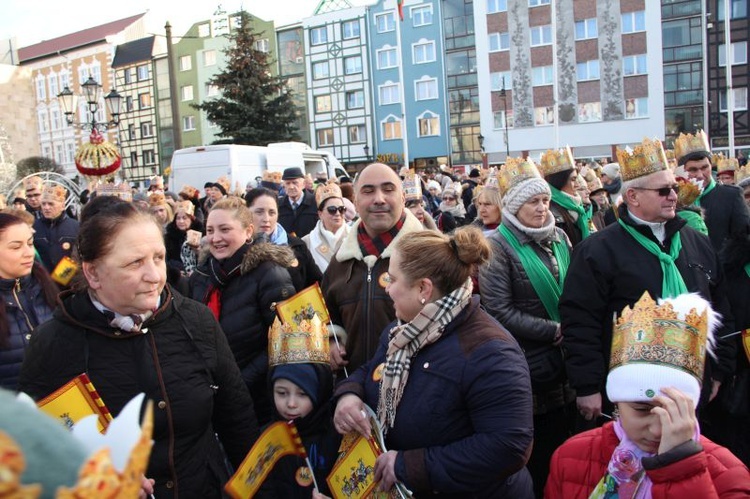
[724, 164]
[687, 143]
[556, 160]
[515, 171]
[646, 158]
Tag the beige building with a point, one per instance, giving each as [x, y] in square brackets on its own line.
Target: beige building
[18, 133]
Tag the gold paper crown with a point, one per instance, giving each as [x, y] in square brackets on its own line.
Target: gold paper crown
[224, 182]
[687, 143]
[515, 171]
[644, 159]
[156, 199]
[186, 206]
[491, 180]
[274, 177]
[33, 182]
[189, 191]
[55, 192]
[742, 173]
[326, 191]
[412, 186]
[724, 164]
[557, 160]
[651, 334]
[291, 344]
[690, 189]
[156, 180]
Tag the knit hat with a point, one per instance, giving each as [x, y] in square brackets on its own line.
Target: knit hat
[54, 193]
[302, 375]
[433, 184]
[522, 192]
[612, 170]
[661, 345]
[474, 173]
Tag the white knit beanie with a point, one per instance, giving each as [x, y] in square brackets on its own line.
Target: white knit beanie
[522, 192]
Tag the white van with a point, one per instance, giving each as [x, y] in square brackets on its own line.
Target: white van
[197, 165]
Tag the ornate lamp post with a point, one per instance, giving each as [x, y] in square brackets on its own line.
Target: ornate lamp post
[480, 139]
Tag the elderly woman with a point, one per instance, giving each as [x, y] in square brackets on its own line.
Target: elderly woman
[654, 448]
[131, 334]
[521, 289]
[264, 205]
[28, 295]
[324, 240]
[450, 385]
[489, 205]
[240, 281]
[451, 213]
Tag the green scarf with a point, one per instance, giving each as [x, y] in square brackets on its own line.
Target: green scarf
[672, 283]
[547, 288]
[708, 189]
[694, 220]
[568, 203]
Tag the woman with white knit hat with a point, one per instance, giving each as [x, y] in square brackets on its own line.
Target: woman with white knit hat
[521, 289]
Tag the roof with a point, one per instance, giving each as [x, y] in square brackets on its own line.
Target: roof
[75, 40]
[132, 52]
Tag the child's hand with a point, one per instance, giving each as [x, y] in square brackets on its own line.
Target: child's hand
[677, 415]
[350, 416]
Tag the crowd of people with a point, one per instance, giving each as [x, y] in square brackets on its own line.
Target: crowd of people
[549, 328]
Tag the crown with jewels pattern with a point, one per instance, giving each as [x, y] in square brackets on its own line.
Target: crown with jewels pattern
[556, 160]
[742, 175]
[644, 159]
[412, 186]
[687, 143]
[292, 344]
[326, 191]
[724, 164]
[515, 171]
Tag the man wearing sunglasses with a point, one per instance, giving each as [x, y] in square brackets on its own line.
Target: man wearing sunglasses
[647, 249]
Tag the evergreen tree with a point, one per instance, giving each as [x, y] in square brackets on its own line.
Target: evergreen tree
[255, 107]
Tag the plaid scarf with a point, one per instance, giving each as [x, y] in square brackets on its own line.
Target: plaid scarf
[375, 246]
[406, 340]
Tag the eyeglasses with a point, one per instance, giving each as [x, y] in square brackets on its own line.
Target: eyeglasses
[662, 191]
[333, 209]
[448, 198]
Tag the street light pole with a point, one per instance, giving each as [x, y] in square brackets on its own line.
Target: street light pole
[505, 118]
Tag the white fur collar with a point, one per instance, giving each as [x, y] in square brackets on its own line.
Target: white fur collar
[350, 247]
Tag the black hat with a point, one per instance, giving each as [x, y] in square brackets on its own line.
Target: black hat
[19, 200]
[221, 188]
[474, 173]
[292, 173]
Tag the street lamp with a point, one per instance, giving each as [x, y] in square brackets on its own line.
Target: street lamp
[367, 152]
[92, 92]
[505, 118]
[480, 139]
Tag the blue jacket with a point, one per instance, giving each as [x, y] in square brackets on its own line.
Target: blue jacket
[55, 239]
[24, 309]
[463, 427]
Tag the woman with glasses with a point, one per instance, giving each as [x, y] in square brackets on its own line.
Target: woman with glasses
[452, 213]
[324, 240]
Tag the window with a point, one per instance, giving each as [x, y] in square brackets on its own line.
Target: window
[55, 119]
[70, 152]
[387, 58]
[323, 104]
[536, 3]
[355, 99]
[128, 103]
[391, 128]
[740, 100]
[426, 89]
[499, 41]
[544, 116]
[634, 65]
[134, 158]
[500, 81]
[148, 157]
[423, 52]
[541, 35]
[262, 45]
[350, 29]
[209, 57]
[204, 30]
[318, 36]
[65, 78]
[41, 88]
[127, 75]
[738, 52]
[633, 22]
[186, 63]
[541, 75]
[96, 72]
[428, 125]
[636, 108]
[142, 73]
[186, 92]
[325, 137]
[500, 120]
[588, 70]
[589, 111]
[144, 101]
[353, 65]
[59, 157]
[188, 123]
[211, 90]
[53, 90]
[385, 22]
[131, 132]
[497, 6]
[357, 134]
[738, 9]
[389, 94]
[320, 70]
[421, 16]
[147, 129]
[586, 29]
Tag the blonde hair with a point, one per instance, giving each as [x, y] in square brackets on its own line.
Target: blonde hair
[237, 207]
[446, 260]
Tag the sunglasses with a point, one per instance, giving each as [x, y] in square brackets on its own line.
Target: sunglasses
[449, 198]
[333, 209]
[662, 191]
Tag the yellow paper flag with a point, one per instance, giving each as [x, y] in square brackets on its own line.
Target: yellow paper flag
[75, 400]
[303, 306]
[279, 440]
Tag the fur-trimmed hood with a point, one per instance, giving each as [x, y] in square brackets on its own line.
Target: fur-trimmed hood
[350, 246]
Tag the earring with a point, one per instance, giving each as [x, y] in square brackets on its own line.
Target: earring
[422, 301]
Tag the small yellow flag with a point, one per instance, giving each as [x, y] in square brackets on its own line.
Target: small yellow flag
[303, 306]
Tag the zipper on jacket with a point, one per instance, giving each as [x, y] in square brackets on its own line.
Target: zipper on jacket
[16, 288]
[368, 299]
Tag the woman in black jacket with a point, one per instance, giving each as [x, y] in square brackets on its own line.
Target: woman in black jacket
[240, 281]
[130, 333]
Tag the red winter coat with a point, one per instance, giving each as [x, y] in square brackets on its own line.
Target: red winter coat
[580, 463]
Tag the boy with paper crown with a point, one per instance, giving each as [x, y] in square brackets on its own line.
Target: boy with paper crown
[653, 448]
[301, 383]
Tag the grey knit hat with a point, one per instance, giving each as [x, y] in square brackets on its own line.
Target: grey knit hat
[522, 192]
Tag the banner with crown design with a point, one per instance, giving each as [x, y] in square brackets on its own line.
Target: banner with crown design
[75, 400]
[303, 306]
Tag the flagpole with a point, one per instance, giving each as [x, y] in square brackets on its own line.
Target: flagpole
[312, 473]
[336, 340]
[404, 125]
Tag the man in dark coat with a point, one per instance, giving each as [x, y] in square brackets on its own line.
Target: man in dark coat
[33, 187]
[612, 268]
[55, 233]
[298, 213]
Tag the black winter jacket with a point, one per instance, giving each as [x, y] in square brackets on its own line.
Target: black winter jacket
[306, 272]
[726, 214]
[24, 308]
[180, 360]
[173, 239]
[301, 222]
[54, 239]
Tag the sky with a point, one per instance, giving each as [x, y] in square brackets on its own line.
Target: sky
[32, 21]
